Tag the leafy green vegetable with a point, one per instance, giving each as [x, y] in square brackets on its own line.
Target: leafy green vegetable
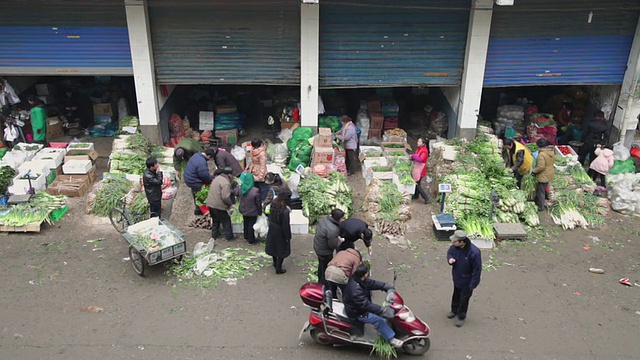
[6, 176]
[107, 197]
[394, 146]
[383, 349]
[320, 195]
[201, 196]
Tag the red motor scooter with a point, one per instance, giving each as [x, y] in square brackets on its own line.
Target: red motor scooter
[329, 325]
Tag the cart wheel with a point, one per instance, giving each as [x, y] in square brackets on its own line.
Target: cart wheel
[137, 261]
[118, 220]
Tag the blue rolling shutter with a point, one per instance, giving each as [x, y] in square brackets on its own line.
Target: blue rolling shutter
[64, 39]
[219, 42]
[392, 43]
[547, 42]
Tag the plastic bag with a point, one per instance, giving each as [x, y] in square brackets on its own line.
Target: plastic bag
[285, 135]
[261, 227]
[620, 152]
[238, 153]
[623, 167]
[202, 248]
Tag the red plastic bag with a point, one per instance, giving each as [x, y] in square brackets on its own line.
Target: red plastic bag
[635, 152]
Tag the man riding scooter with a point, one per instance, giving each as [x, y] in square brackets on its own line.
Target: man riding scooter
[358, 305]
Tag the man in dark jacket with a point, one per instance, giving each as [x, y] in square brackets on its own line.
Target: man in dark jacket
[594, 132]
[466, 265]
[152, 181]
[326, 241]
[196, 173]
[357, 302]
[352, 230]
[224, 159]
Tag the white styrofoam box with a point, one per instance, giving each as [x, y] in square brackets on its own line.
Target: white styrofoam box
[373, 162]
[77, 167]
[482, 243]
[22, 146]
[572, 156]
[21, 186]
[49, 150]
[54, 159]
[299, 223]
[85, 146]
[15, 159]
[411, 189]
[38, 167]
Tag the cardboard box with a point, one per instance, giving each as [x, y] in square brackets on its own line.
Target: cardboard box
[376, 119]
[69, 185]
[226, 109]
[290, 125]
[323, 155]
[74, 167]
[81, 155]
[102, 110]
[405, 145]
[45, 89]
[323, 139]
[375, 134]
[206, 120]
[55, 128]
[228, 136]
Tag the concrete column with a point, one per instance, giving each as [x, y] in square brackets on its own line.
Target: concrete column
[143, 69]
[628, 107]
[474, 65]
[309, 63]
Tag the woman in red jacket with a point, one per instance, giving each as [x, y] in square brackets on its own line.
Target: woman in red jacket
[420, 159]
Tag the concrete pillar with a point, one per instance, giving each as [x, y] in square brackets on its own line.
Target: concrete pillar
[309, 63]
[474, 65]
[628, 107]
[143, 69]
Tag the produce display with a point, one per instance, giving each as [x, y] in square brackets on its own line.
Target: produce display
[321, 195]
[403, 169]
[6, 176]
[140, 204]
[26, 147]
[127, 164]
[386, 207]
[565, 150]
[35, 211]
[110, 191]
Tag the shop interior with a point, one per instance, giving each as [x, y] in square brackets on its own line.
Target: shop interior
[73, 104]
[242, 112]
[556, 113]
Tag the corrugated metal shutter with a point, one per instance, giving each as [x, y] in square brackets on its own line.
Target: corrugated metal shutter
[213, 42]
[64, 38]
[548, 42]
[399, 43]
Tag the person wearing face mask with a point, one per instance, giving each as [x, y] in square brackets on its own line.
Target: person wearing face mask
[279, 236]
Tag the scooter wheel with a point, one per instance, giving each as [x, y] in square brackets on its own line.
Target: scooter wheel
[319, 337]
[416, 346]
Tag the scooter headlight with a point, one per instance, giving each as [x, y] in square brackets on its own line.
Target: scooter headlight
[407, 316]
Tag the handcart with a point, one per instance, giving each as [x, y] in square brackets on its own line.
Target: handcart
[152, 242]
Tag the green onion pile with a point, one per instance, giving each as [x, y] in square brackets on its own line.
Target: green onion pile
[107, 197]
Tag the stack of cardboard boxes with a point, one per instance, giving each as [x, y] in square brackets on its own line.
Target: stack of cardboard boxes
[78, 171]
[376, 118]
[322, 148]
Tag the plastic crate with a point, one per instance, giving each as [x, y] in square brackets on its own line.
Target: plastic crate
[56, 215]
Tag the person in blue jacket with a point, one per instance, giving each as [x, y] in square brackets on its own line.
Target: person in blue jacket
[466, 265]
[197, 174]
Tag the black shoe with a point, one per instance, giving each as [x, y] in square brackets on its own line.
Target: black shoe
[451, 315]
[280, 271]
[232, 238]
[197, 212]
[459, 322]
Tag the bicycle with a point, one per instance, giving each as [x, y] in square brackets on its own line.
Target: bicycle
[121, 217]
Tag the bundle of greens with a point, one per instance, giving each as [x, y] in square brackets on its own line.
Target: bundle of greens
[26, 213]
[6, 177]
[383, 349]
[107, 197]
[512, 201]
[528, 185]
[530, 214]
[139, 144]
[140, 204]
[201, 196]
[470, 196]
[580, 176]
[478, 227]
[505, 217]
[320, 195]
[127, 164]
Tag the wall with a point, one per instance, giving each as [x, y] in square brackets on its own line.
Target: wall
[604, 97]
[446, 100]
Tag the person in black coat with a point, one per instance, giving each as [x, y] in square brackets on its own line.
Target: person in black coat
[224, 159]
[466, 265]
[152, 181]
[356, 298]
[250, 205]
[352, 230]
[279, 235]
[594, 132]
